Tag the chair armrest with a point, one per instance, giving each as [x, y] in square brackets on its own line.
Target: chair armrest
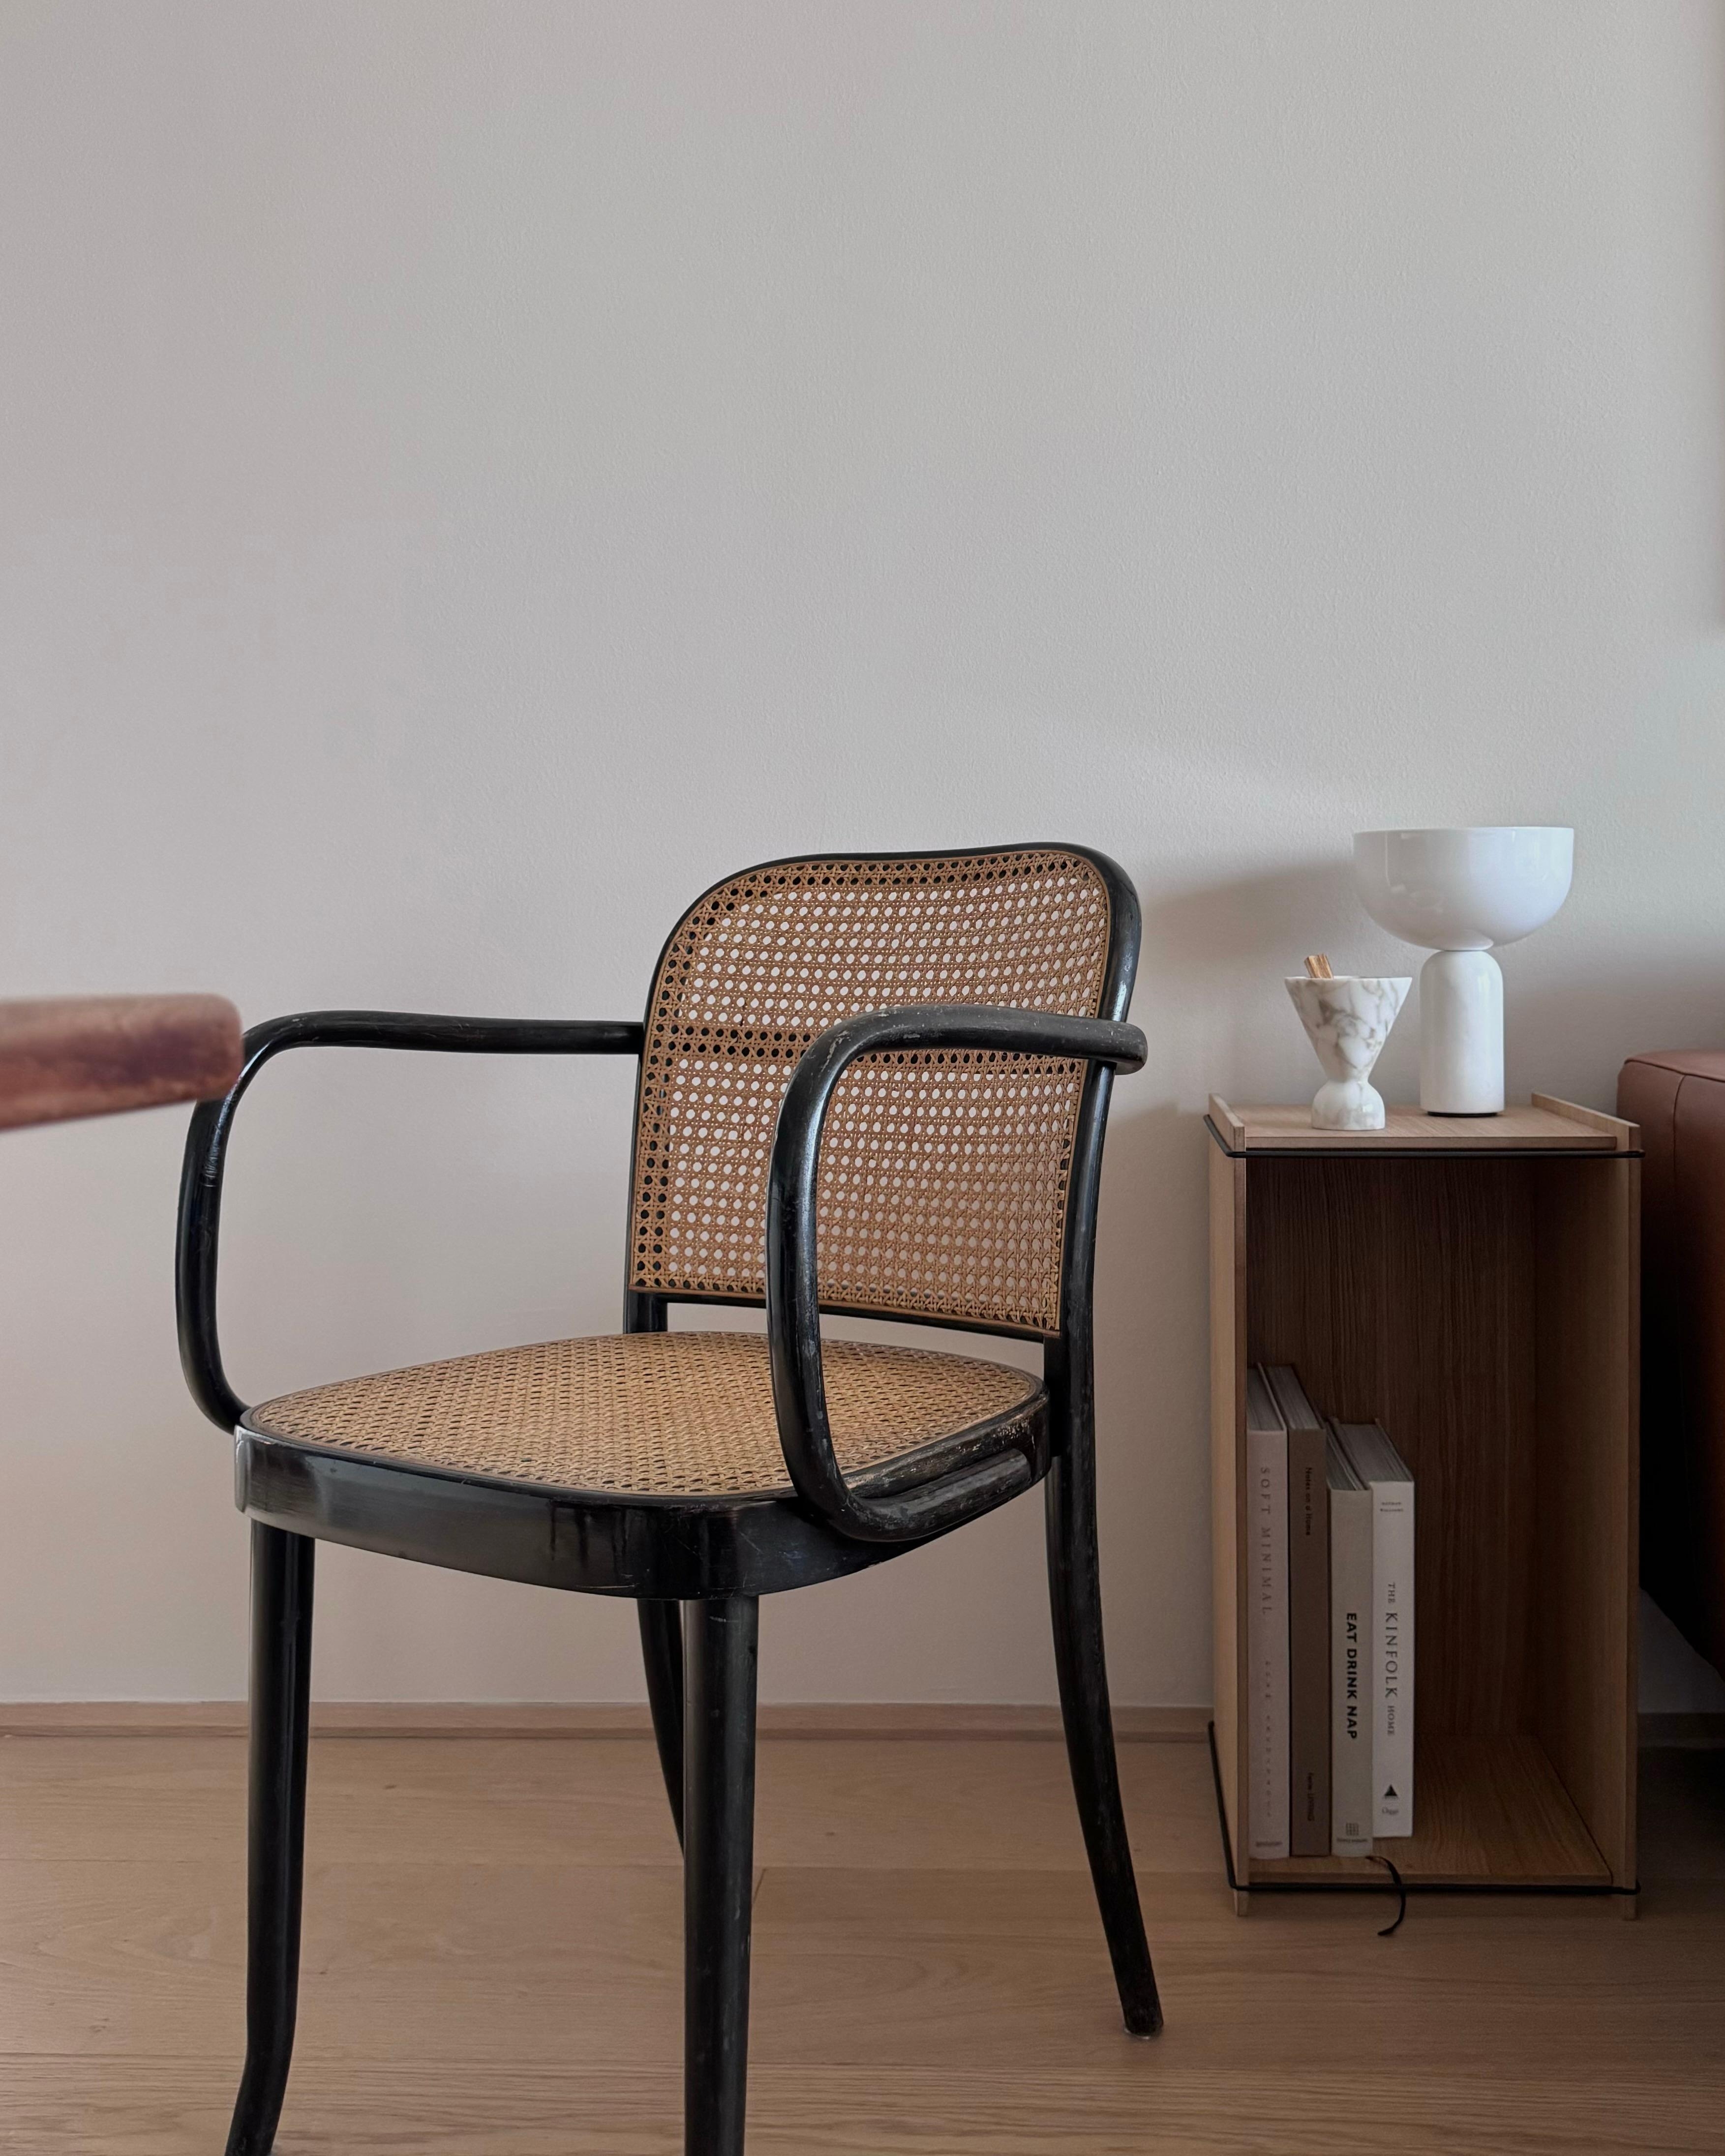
[200, 1220]
[793, 1285]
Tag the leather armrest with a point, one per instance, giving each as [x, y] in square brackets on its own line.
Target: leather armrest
[1678, 1098]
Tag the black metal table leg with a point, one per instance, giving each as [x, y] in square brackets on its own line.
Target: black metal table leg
[719, 1661]
[282, 1574]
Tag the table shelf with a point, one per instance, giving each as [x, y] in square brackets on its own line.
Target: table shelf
[1490, 1812]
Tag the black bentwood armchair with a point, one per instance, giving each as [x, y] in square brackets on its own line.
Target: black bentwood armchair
[868, 1084]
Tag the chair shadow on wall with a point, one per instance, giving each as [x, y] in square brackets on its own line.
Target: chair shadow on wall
[1218, 945]
[1153, 1397]
[1222, 942]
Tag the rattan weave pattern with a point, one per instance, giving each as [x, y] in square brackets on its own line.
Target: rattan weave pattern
[655, 1413]
[943, 1176]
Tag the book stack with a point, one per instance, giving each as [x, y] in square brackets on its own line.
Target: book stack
[1330, 1628]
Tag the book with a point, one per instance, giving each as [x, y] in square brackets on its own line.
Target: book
[1308, 1616]
[1266, 1620]
[1352, 1801]
[1382, 1468]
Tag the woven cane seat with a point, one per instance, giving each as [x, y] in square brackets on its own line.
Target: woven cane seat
[663, 1414]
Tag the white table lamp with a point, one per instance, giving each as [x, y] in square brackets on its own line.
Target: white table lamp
[1459, 893]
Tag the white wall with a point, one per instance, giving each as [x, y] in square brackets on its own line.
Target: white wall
[473, 474]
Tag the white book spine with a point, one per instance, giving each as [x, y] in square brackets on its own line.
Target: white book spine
[1267, 1748]
[1353, 1807]
[1393, 1595]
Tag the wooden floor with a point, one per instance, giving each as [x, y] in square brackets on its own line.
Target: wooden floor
[492, 1965]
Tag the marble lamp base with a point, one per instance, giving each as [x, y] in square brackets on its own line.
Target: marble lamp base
[1348, 1020]
[1462, 1034]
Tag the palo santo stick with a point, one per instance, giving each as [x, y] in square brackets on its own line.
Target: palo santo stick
[1317, 965]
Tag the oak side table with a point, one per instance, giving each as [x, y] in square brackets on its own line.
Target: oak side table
[1473, 1285]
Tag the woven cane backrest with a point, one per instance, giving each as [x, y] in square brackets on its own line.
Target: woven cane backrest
[944, 1175]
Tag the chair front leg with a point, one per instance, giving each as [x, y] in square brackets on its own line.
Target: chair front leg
[282, 1570]
[720, 1646]
[662, 1651]
[1075, 1593]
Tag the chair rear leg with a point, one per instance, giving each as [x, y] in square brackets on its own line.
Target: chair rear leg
[719, 1661]
[282, 1570]
[1074, 1591]
[662, 1651]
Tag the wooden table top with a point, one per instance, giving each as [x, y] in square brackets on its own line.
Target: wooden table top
[67, 1057]
[1543, 1125]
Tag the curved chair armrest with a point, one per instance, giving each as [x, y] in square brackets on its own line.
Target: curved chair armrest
[792, 1285]
[200, 1222]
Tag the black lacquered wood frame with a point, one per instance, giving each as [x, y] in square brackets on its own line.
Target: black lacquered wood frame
[695, 1565]
[198, 1246]
[681, 1547]
[793, 1284]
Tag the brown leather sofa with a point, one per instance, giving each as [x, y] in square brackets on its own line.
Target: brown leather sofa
[1678, 1098]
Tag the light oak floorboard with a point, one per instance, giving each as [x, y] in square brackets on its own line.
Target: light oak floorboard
[973, 1802]
[493, 1967]
[171, 2107]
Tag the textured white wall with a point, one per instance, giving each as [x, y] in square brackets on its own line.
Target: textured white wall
[474, 473]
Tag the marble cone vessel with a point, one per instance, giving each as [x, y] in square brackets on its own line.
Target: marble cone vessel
[1348, 1020]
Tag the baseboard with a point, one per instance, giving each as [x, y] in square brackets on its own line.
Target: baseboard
[227, 1718]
